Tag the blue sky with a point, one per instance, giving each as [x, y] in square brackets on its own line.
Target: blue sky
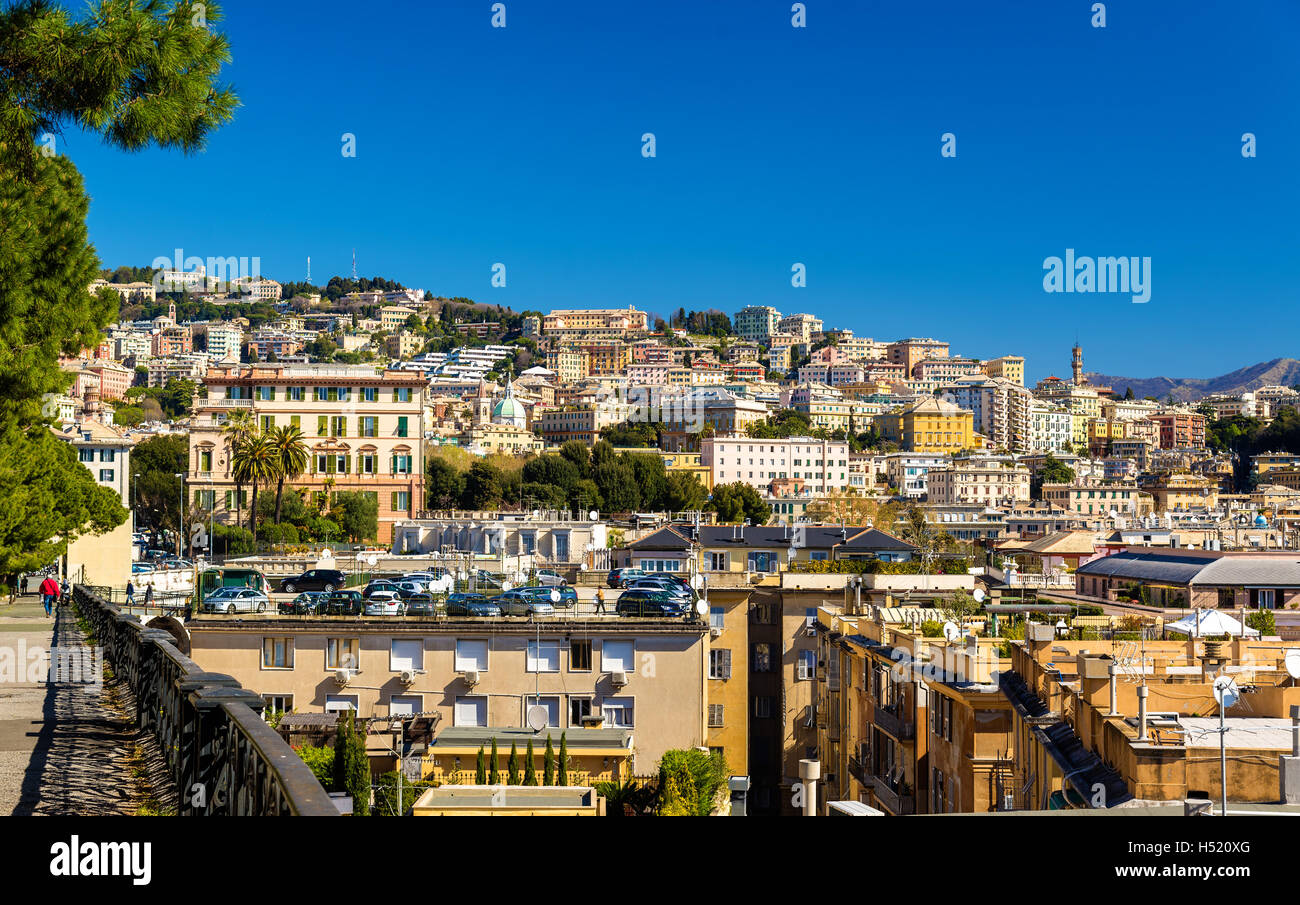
[775, 145]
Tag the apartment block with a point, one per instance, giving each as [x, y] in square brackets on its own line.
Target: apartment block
[363, 427]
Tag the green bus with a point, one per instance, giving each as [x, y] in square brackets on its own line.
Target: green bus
[212, 579]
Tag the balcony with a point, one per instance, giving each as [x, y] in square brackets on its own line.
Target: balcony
[230, 403]
[893, 724]
[895, 797]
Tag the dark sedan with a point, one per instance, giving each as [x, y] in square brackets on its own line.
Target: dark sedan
[342, 603]
[471, 605]
[641, 602]
[314, 580]
[422, 605]
[304, 604]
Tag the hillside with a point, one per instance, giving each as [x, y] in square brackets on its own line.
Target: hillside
[1279, 371]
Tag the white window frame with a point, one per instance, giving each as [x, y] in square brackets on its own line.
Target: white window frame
[621, 703]
[625, 665]
[353, 649]
[334, 699]
[415, 658]
[289, 647]
[463, 662]
[416, 700]
[535, 652]
[469, 697]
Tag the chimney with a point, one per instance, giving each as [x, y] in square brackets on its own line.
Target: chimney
[1142, 712]
[809, 772]
[1114, 690]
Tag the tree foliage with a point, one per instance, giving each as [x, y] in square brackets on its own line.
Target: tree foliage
[738, 502]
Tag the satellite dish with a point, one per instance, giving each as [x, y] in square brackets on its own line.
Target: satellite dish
[593, 515]
[372, 559]
[1226, 691]
[507, 585]
[697, 581]
[1292, 660]
[702, 607]
[537, 717]
[979, 595]
[555, 596]
[950, 631]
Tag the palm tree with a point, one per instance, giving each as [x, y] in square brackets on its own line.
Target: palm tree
[257, 463]
[291, 453]
[239, 427]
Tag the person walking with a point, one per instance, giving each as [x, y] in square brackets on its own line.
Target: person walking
[49, 593]
[148, 595]
[130, 593]
[600, 601]
[64, 590]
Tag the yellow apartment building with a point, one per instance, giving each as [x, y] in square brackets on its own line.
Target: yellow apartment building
[930, 425]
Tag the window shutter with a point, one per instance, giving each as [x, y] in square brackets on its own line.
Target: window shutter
[393, 506]
[322, 425]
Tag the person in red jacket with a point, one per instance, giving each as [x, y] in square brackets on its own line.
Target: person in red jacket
[49, 593]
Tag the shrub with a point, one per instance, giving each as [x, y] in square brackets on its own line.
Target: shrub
[931, 628]
[1263, 622]
[321, 761]
[688, 782]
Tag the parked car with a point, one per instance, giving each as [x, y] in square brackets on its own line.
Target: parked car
[619, 577]
[304, 604]
[235, 600]
[379, 584]
[550, 578]
[422, 605]
[520, 602]
[314, 580]
[408, 589]
[669, 586]
[486, 579]
[643, 602]
[341, 603]
[568, 596]
[385, 603]
[471, 605]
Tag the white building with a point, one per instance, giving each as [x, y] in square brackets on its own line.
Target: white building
[822, 465]
[987, 483]
[1051, 429]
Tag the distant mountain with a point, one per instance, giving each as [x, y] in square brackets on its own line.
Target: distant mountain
[1279, 371]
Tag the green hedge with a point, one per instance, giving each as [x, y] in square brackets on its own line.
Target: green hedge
[951, 565]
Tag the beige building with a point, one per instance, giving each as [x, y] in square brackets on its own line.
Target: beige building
[968, 482]
[102, 559]
[643, 675]
[363, 428]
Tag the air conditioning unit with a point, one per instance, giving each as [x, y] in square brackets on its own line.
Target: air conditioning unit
[715, 632]
[618, 678]
[407, 677]
[471, 677]
[343, 676]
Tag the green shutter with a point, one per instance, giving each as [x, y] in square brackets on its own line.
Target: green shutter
[296, 421]
[401, 426]
[322, 425]
[394, 502]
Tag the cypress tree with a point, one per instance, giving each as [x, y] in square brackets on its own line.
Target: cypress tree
[480, 772]
[548, 766]
[494, 774]
[563, 778]
[530, 769]
[512, 766]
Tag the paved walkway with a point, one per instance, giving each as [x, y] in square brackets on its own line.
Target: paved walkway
[65, 748]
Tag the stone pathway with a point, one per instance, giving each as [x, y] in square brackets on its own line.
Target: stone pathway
[65, 747]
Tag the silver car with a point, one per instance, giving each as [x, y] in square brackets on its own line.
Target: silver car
[520, 603]
[235, 600]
